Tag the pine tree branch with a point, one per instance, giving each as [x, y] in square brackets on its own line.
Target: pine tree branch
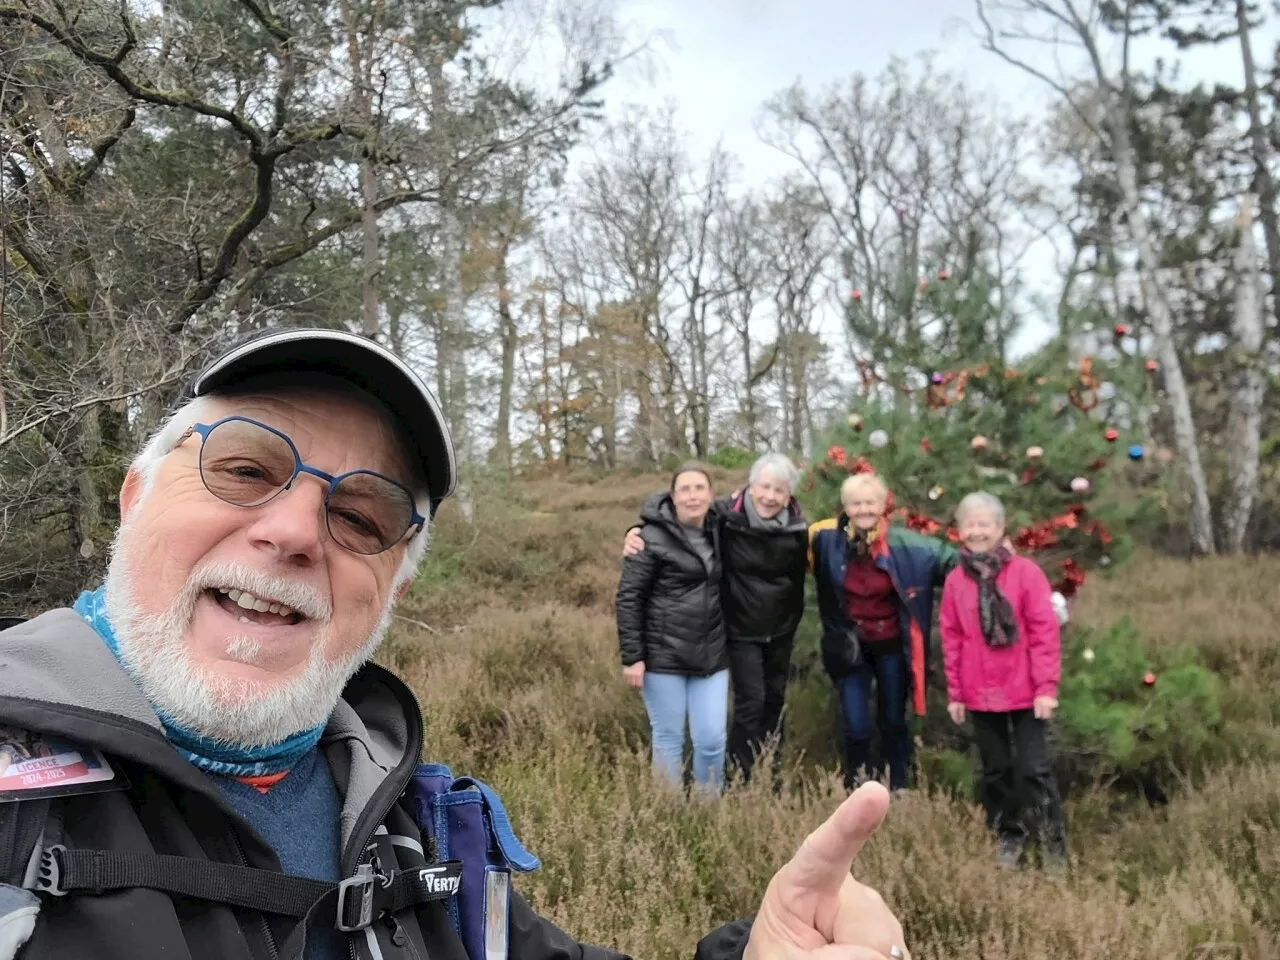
[288, 252]
[100, 149]
[110, 64]
[244, 225]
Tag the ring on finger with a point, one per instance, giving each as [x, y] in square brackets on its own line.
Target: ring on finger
[896, 953]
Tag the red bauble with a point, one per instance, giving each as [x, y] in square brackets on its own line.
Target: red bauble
[944, 275]
[925, 445]
[1112, 434]
[1120, 330]
[1151, 366]
[855, 295]
[1149, 680]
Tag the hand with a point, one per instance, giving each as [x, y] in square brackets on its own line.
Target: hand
[1008, 545]
[957, 713]
[1044, 707]
[634, 675]
[633, 543]
[814, 910]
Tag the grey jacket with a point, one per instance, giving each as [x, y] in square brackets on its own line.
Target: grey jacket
[57, 678]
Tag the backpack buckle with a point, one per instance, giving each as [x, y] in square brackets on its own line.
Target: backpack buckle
[355, 900]
[49, 873]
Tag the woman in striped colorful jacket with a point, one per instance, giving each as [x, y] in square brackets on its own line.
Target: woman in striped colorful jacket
[875, 585]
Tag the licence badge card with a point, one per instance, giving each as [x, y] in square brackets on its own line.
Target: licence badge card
[46, 765]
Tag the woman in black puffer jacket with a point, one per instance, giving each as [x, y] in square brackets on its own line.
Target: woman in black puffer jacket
[671, 630]
[764, 548]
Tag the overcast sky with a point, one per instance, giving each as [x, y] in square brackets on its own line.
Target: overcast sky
[718, 61]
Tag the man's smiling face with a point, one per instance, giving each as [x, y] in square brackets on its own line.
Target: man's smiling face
[245, 622]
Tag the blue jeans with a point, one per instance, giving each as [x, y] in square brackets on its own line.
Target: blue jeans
[670, 698]
[888, 669]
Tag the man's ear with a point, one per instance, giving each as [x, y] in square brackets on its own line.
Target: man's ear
[130, 492]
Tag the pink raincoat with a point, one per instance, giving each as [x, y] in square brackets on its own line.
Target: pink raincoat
[991, 679]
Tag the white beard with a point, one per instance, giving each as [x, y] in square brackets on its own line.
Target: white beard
[246, 713]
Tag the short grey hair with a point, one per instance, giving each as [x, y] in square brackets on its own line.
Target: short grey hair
[161, 443]
[981, 500]
[780, 466]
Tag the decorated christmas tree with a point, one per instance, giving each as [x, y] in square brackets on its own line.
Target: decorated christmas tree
[941, 411]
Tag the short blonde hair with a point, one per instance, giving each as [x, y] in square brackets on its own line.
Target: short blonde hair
[861, 482]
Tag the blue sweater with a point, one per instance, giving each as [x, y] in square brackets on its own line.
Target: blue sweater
[299, 818]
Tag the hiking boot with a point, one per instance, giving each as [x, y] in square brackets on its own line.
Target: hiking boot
[1009, 852]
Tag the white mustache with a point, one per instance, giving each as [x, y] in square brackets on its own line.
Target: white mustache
[302, 597]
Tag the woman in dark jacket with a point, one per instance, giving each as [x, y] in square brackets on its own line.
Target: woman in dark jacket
[764, 547]
[671, 631]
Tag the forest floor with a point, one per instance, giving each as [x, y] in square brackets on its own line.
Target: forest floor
[508, 640]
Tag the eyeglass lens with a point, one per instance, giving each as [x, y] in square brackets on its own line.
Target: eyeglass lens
[245, 464]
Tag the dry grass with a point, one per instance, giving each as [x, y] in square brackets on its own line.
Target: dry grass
[519, 683]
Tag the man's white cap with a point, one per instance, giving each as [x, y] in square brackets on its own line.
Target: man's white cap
[365, 364]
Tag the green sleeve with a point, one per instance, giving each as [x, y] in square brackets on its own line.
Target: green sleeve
[946, 557]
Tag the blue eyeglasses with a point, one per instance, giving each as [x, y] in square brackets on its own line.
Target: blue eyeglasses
[247, 463]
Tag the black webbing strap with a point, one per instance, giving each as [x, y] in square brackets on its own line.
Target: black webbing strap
[64, 871]
[21, 824]
[360, 899]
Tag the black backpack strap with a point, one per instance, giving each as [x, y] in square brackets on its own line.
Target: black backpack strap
[358, 900]
[64, 871]
[21, 824]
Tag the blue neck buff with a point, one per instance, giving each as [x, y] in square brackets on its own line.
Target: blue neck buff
[212, 756]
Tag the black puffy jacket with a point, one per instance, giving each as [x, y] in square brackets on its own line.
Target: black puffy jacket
[764, 571]
[668, 602]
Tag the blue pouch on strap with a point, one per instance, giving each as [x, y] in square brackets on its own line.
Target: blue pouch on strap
[467, 822]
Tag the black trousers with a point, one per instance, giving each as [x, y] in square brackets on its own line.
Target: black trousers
[759, 671]
[1019, 791]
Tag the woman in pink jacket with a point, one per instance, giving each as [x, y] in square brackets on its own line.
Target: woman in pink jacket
[1001, 652]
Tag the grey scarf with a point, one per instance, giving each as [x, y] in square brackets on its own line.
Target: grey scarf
[780, 519]
[700, 541]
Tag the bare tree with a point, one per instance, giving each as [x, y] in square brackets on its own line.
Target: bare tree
[799, 246]
[630, 217]
[701, 289]
[917, 177]
[1247, 387]
[1053, 24]
[740, 262]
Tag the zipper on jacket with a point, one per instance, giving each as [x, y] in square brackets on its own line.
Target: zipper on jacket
[262, 918]
[389, 793]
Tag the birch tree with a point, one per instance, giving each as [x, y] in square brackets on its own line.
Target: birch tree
[1078, 25]
[1248, 384]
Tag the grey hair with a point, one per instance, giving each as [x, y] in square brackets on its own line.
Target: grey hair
[780, 466]
[161, 443]
[980, 499]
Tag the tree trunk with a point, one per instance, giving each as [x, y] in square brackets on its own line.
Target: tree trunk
[1248, 385]
[1265, 184]
[372, 266]
[510, 335]
[395, 328]
[360, 61]
[452, 359]
[1184, 428]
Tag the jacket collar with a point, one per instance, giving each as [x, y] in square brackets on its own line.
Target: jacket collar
[54, 666]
